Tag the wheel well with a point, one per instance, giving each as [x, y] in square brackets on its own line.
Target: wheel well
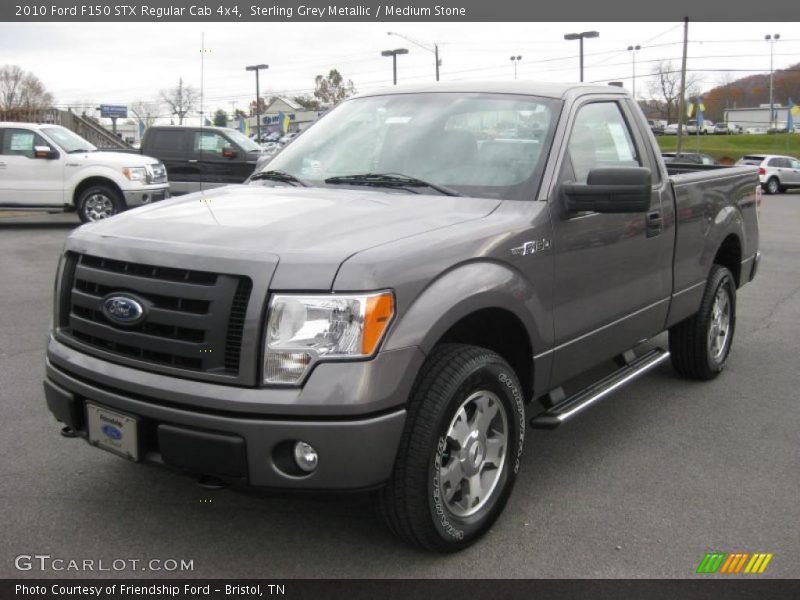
[729, 255]
[89, 182]
[501, 331]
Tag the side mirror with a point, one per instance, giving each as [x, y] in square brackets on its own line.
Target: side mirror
[45, 152]
[610, 190]
[228, 152]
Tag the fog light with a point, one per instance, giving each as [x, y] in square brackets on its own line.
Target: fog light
[305, 456]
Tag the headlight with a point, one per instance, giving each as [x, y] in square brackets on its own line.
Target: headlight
[302, 330]
[135, 173]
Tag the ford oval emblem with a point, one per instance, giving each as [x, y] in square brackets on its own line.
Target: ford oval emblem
[112, 432]
[123, 310]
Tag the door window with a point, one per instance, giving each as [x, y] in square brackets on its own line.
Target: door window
[167, 140]
[209, 143]
[600, 138]
[21, 142]
[779, 162]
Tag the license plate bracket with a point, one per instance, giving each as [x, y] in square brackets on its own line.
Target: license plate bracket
[113, 431]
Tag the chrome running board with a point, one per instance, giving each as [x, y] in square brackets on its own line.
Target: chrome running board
[567, 409]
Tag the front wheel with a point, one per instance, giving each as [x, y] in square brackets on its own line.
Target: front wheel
[98, 202]
[699, 346]
[460, 451]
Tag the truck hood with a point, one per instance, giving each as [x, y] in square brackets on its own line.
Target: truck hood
[311, 230]
[112, 159]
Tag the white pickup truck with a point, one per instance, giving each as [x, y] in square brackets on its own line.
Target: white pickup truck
[48, 167]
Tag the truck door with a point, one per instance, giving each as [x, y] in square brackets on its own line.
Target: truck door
[220, 159]
[25, 179]
[613, 272]
[170, 146]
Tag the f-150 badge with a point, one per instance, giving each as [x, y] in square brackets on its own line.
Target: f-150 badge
[531, 247]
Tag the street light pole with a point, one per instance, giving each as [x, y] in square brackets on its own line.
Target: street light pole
[580, 37]
[430, 48]
[257, 68]
[633, 50]
[393, 54]
[514, 61]
[771, 39]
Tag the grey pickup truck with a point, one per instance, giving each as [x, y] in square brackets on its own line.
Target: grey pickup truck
[399, 295]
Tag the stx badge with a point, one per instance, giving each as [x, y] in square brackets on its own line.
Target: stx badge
[531, 247]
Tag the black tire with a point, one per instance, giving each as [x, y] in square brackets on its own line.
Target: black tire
[414, 503]
[689, 341]
[773, 186]
[98, 202]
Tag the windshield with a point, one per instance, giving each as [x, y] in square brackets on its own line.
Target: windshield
[244, 142]
[485, 145]
[68, 141]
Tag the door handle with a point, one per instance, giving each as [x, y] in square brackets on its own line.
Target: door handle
[655, 223]
[192, 160]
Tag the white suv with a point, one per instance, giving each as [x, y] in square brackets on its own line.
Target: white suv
[777, 173]
[48, 167]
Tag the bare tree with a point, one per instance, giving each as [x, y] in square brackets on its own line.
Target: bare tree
[22, 90]
[145, 113]
[181, 100]
[333, 88]
[665, 85]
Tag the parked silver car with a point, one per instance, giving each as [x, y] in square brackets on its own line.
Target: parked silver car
[776, 173]
[727, 129]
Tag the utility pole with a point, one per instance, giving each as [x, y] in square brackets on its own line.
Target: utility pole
[257, 68]
[682, 99]
[202, 74]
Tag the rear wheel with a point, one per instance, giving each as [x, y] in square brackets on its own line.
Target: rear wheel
[98, 202]
[460, 451]
[699, 346]
[773, 186]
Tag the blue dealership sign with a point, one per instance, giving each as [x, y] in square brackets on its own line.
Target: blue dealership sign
[114, 111]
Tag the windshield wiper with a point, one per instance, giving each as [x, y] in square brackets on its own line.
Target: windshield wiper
[77, 150]
[392, 180]
[277, 175]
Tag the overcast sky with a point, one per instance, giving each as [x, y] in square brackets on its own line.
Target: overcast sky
[116, 63]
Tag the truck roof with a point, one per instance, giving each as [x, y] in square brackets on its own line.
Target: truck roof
[28, 125]
[528, 88]
[203, 127]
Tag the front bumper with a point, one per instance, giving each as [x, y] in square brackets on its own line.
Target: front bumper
[242, 438]
[146, 195]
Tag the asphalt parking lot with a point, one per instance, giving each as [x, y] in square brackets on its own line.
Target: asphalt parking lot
[643, 485]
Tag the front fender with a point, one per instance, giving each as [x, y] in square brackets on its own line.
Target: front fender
[73, 180]
[465, 289]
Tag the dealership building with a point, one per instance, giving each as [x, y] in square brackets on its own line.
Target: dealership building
[757, 117]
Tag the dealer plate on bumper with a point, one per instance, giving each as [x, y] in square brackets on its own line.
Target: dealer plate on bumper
[113, 431]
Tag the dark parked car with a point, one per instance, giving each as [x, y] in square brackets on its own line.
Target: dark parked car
[199, 158]
[692, 158]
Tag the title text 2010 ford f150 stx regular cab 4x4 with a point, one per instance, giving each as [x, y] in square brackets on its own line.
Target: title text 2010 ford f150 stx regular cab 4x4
[410, 283]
